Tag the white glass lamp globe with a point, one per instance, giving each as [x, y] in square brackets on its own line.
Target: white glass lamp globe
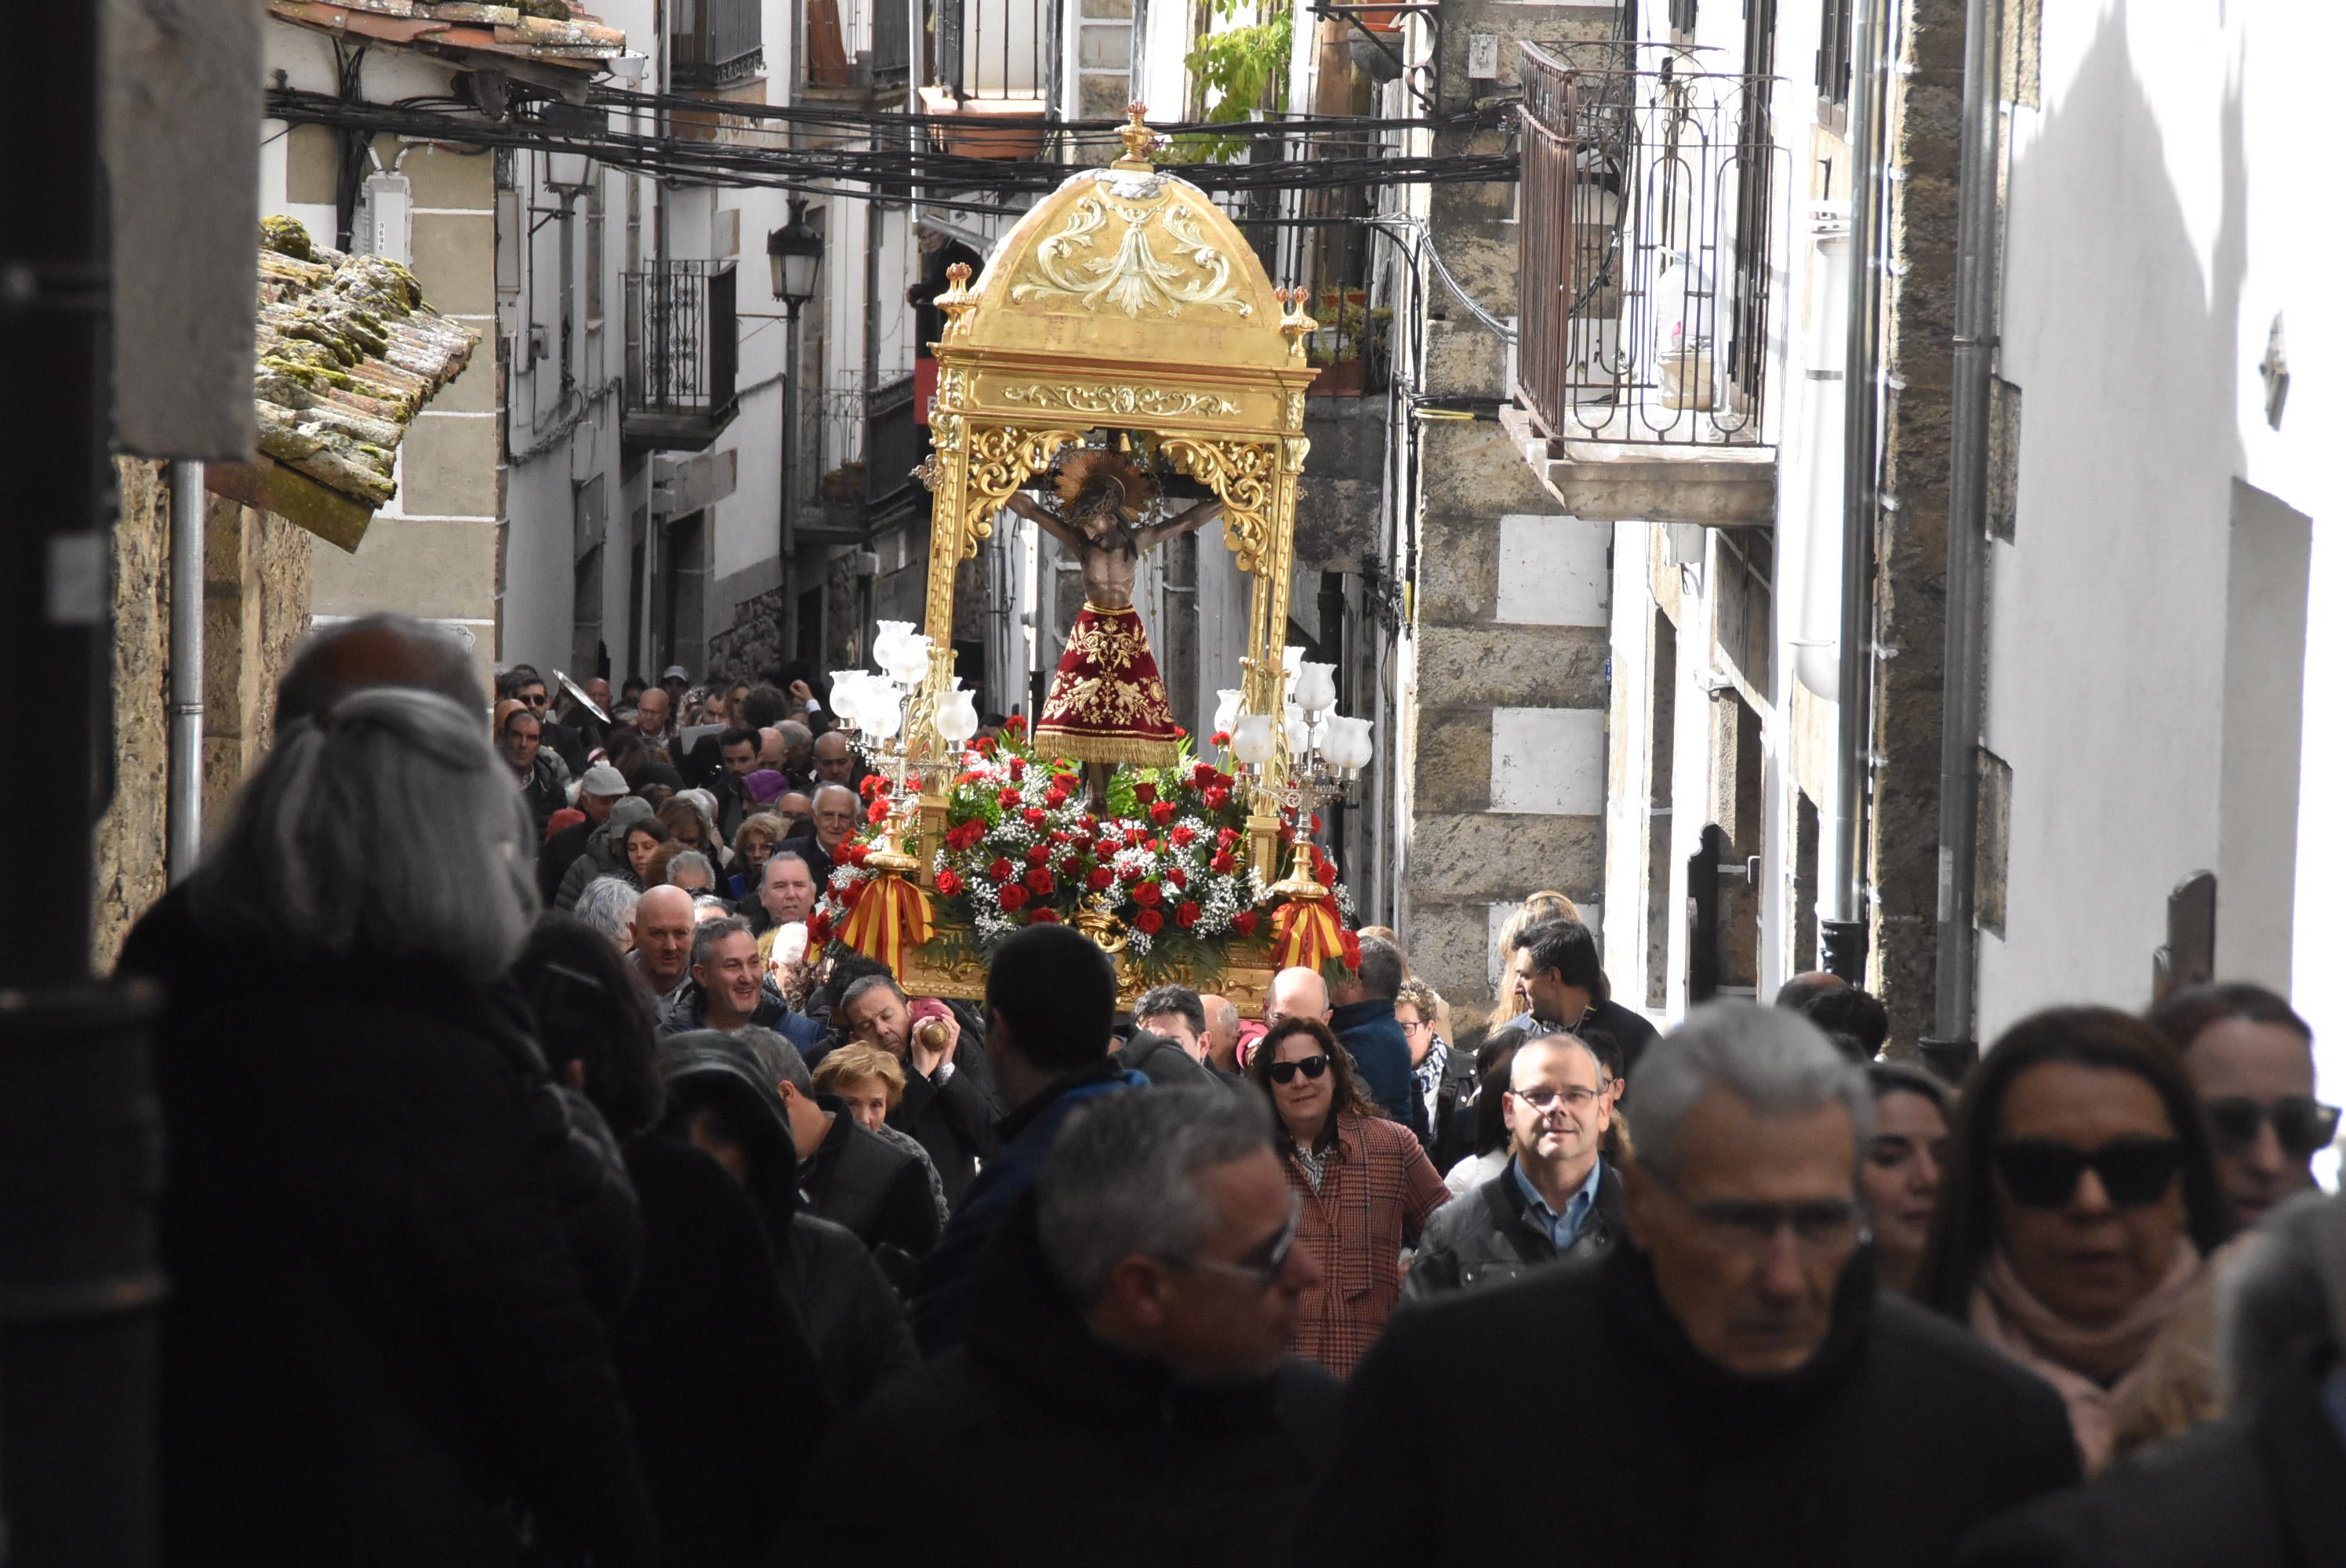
[1315, 689]
[1250, 742]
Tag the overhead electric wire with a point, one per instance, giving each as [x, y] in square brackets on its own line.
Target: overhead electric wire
[943, 179]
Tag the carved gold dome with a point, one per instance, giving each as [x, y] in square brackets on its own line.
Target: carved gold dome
[1127, 264]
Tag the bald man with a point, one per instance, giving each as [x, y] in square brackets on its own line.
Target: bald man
[1221, 1034]
[386, 648]
[664, 926]
[1296, 993]
[834, 762]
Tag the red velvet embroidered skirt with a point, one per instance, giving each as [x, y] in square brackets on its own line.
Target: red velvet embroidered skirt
[1107, 701]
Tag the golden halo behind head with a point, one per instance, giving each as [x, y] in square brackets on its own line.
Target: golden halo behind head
[1092, 465]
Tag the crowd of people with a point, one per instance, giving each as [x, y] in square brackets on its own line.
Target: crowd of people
[537, 1193]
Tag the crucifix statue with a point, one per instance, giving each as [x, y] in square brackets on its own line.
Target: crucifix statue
[1108, 703]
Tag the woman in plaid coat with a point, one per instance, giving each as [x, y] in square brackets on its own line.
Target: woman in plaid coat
[1363, 1185]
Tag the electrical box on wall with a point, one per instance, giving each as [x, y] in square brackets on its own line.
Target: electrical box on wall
[380, 227]
[1482, 57]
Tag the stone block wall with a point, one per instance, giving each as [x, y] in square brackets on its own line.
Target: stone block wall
[256, 611]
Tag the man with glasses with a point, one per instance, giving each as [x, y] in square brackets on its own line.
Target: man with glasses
[1728, 1387]
[1125, 1395]
[524, 685]
[1557, 1199]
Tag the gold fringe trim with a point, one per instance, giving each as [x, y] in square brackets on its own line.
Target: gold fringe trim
[1109, 749]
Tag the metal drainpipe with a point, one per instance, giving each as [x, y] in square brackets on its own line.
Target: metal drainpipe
[1843, 929]
[184, 809]
[1966, 649]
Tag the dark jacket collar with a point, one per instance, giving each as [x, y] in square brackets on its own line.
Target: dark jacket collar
[1102, 1072]
[1352, 1014]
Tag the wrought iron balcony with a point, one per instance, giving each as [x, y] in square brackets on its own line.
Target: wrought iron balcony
[1651, 236]
[866, 446]
[681, 347]
[997, 70]
[714, 43]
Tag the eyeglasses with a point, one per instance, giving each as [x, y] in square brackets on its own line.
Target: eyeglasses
[1269, 1258]
[1310, 1066]
[1413, 1026]
[2301, 1124]
[536, 701]
[1541, 1098]
[2038, 1173]
[1818, 1223]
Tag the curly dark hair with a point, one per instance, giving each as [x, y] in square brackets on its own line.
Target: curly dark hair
[1349, 1097]
[1964, 1232]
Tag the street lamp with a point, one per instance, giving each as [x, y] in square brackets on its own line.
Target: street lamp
[795, 253]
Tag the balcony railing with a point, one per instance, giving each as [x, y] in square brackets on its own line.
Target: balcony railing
[1651, 235]
[714, 43]
[868, 443]
[681, 349]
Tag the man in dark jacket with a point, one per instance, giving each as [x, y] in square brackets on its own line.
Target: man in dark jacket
[1557, 1199]
[847, 1174]
[536, 772]
[599, 791]
[1124, 1395]
[1729, 1389]
[1050, 1003]
[1161, 1061]
[2265, 1487]
[1552, 967]
[949, 1102]
[1363, 1018]
[726, 988]
[835, 815]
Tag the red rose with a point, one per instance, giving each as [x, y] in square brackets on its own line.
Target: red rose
[1013, 896]
[949, 884]
[1132, 875]
[853, 853]
[1161, 812]
[1148, 922]
[1066, 783]
[1100, 879]
[1043, 917]
[985, 747]
[1202, 774]
[1072, 867]
[1183, 837]
[1134, 837]
[1038, 883]
[1017, 768]
[1007, 798]
[1038, 855]
[1242, 923]
[1325, 873]
[1351, 941]
[1226, 839]
[1015, 724]
[1219, 738]
[1034, 815]
[1217, 798]
[1147, 895]
[1144, 792]
[1187, 915]
[1088, 823]
[1054, 797]
[1176, 876]
[1223, 863]
[1056, 836]
[818, 928]
[876, 813]
[1002, 870]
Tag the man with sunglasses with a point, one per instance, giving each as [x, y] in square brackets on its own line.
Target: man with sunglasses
[2249, 1058]
[1728, 1387]
[1557, 1199]
[1124, 1395]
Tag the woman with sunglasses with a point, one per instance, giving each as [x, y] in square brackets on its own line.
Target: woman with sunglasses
[2250, 1059]
[1365, 1185]
[2080, 1200]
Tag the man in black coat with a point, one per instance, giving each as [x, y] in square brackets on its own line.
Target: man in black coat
[1362, 1014]
[1124, 1395]
[949, 1102]
[1554, 968]
[1726, 1390]
[1557, 1198]
[848, 1175]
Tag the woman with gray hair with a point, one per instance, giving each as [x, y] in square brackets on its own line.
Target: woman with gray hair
[377, 1341]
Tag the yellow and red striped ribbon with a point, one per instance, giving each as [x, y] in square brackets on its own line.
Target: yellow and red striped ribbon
[889, 914]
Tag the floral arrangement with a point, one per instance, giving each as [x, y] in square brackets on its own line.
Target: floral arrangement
[1168, 860]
